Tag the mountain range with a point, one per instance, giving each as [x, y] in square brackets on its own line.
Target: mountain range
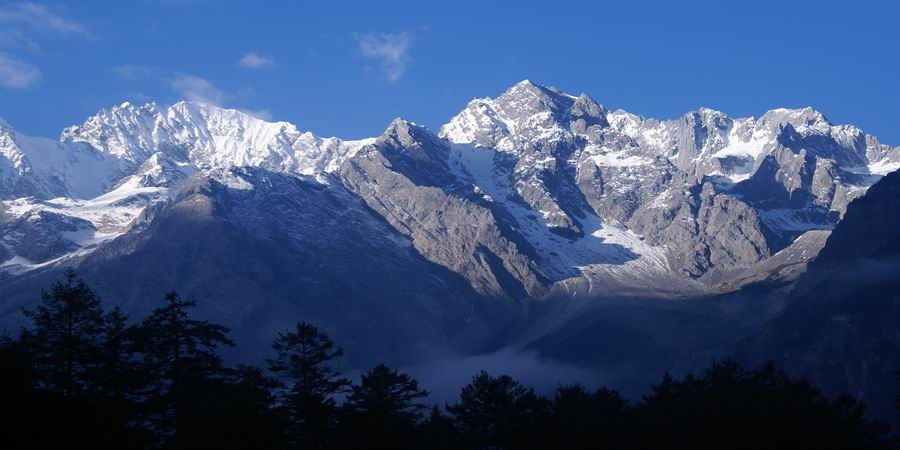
[537, 221]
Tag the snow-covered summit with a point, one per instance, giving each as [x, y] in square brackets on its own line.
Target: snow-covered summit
[407, 134]
[31, 166]
[705, 142]
[208, 137]
[770, 178]
[96, 181]
[127, 140]
[698, 193]
[525, 112]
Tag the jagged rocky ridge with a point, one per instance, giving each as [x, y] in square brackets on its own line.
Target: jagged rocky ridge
[841, 327]
[714, 192]
[530, 194]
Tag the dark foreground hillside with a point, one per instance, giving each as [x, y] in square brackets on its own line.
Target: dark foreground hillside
[841, 328]
[81, 376]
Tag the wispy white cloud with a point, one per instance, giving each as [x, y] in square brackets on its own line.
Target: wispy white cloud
[255, 61]
[132, 72]
[17, 74]
[22, 27]
[41, 19]
[263, 114]
[138, 97]
[17, 39]
[191, 88]
[176, 2]
[197, 89]
[391, 50]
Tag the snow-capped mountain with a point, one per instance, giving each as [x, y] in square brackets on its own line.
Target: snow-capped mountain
[712, 192]
[572, 186]
[46, 168]
[840, 328]
[535, 194]
[104, 173]
[207, 137]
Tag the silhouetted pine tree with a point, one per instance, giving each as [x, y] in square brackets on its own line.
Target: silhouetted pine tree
[728, 407]
[82, 378]
[383, 410]
[66, 341]
[498, 412]
[179, 353]
[247, 417]
[580, 419]
[304, 362]
[897, 398]
[31, 416]
[121, 385]
[438, 432]
[74, 359]
[64, 348]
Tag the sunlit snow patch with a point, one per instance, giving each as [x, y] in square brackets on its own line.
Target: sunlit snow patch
[602, 244]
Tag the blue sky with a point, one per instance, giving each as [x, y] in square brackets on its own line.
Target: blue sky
[348, 68]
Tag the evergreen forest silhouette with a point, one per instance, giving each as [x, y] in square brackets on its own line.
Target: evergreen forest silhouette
[85, 377]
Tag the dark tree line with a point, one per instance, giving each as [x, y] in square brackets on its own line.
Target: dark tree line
[82, 377]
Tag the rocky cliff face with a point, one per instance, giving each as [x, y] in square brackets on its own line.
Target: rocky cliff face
[247, 244]
[842, 325]
[405, 178]
[715, 192]
[530, 195]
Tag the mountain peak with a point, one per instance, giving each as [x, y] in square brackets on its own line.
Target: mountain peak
[208, 109]
[527, 87]
[797, 117]
[704, 111]
[206, 136]
[399, 121]
[402, 126]
[129, 106]
[533, 87]
[407, 134]
[521, 113]
[587, 109]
